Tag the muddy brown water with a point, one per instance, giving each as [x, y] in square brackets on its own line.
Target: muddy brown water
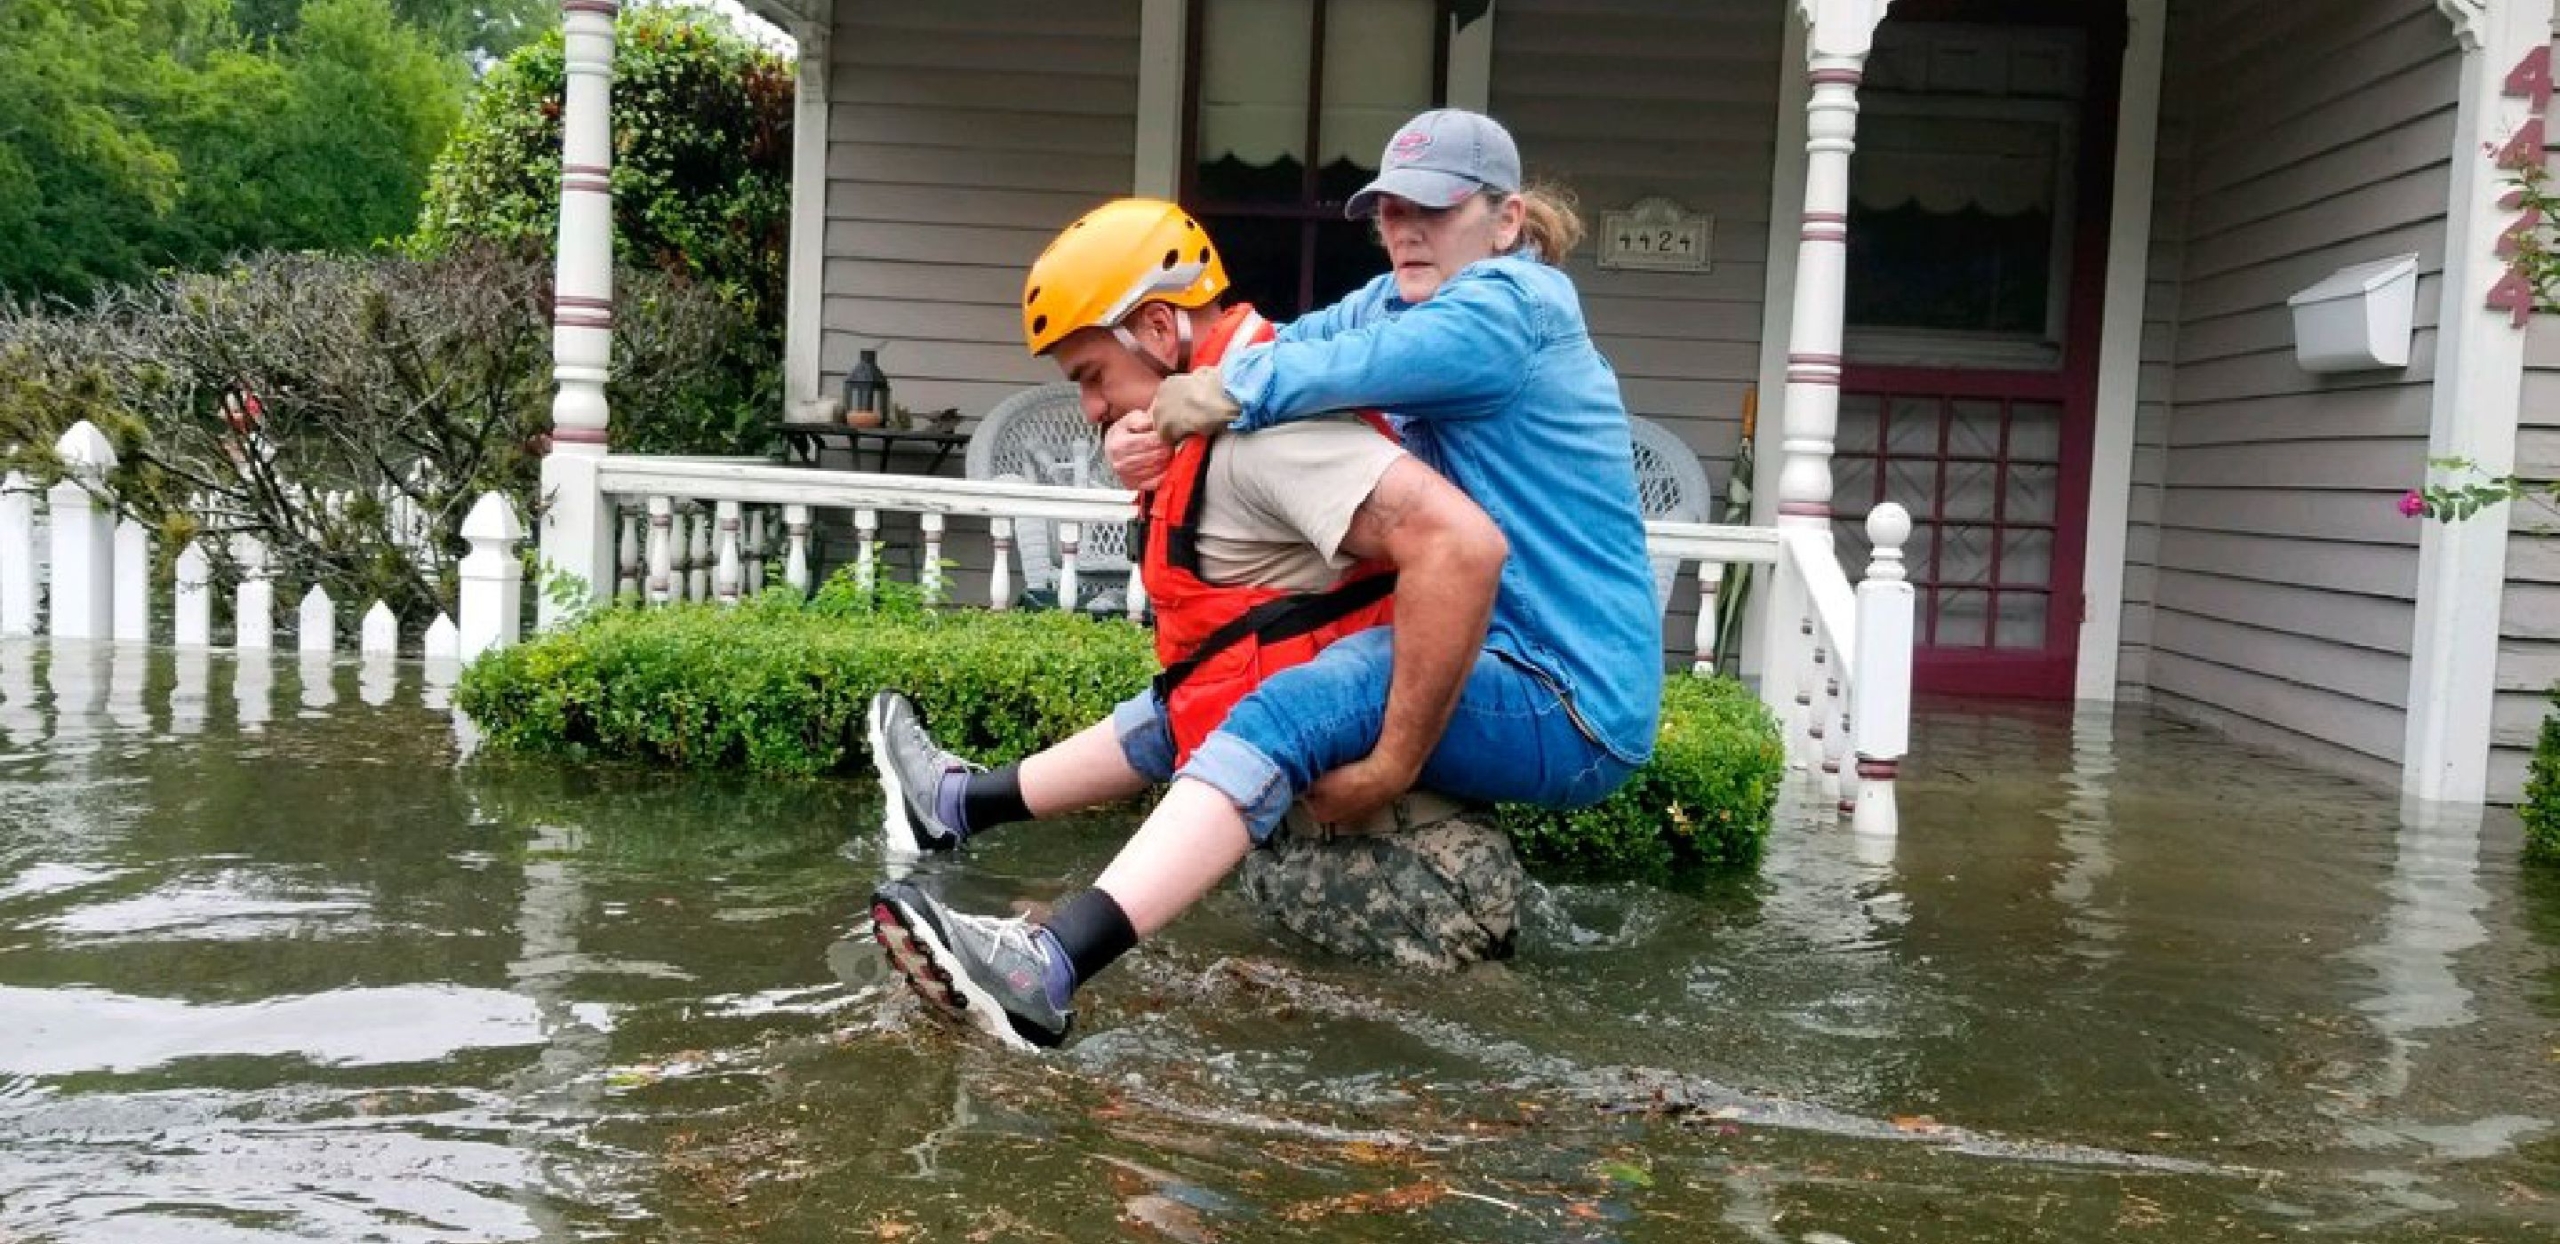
[274, 966]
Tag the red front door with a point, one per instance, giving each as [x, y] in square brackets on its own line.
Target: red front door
[1977, 243]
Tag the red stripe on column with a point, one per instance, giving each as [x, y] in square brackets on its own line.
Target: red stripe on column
[1878, 770]
[588, 436]
[576, 303]
[1826, 218]
[1804, 509]
[1827, 77]
[604, 322]
[606, 7]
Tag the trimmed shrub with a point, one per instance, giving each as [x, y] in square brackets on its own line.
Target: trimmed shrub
[778, 687]
[2541, 806]
[1704, 799]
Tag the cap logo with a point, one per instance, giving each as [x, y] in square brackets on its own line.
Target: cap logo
[1408, 146]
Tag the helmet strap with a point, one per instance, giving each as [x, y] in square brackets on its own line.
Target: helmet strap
[1181, 348]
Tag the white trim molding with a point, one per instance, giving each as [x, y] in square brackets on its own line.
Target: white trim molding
[2466, 16]
[2479, 387]
[2120, 348]
[804, 289]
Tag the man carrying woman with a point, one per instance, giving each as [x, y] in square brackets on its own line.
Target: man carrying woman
[1477, 344]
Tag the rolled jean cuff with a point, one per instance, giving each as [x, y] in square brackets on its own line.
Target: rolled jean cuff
[1146, 736]
[1248, 779]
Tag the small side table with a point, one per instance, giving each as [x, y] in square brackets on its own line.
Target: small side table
[803, 443]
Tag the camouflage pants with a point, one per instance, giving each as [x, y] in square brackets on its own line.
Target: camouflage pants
[1435, 892]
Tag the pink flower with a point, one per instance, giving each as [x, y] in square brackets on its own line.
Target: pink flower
[2412, 504]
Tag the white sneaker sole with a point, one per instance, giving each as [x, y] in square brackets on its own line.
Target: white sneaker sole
[898, 837]
[917, 950]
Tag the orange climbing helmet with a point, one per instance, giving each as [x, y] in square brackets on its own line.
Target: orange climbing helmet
[1120, 255]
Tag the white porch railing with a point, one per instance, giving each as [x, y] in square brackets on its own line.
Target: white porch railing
[1836, 672]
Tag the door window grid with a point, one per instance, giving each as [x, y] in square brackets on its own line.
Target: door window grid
[1984, 579]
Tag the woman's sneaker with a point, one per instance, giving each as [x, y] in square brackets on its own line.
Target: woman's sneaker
[989, 973]
[912, 771]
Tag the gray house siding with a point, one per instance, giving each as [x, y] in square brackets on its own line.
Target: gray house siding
[2283, 579]
[959, 139]
[2529, 615]
[1671, 98]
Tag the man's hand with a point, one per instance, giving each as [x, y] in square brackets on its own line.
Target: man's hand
[1135, 455]
[1348, 795]
[1193, 404]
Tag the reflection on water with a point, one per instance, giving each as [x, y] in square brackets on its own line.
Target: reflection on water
[295, 974]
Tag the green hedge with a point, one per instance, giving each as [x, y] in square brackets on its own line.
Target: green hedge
[2541, 806]
[1704, 799]
[778, 687]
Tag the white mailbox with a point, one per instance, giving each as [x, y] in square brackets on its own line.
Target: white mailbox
[2357, 318]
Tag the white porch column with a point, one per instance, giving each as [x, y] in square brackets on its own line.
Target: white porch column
[803, 305]
[2479, 382]
[577, 524]
[1838, 35]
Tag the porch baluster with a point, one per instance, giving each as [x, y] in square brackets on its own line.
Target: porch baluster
[662, 517]
[755, 551]
[1137, 596]
[697, 584]
[626, 584]
[929, 575]
[1000, 575]
[1067, 539]
[1702, 636]
[730, 569]
[795, 560]
[866, 532]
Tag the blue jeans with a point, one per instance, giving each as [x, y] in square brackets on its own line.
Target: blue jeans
[1512, 739]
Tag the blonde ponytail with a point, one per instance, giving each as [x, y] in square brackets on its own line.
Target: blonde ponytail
[1550, 224]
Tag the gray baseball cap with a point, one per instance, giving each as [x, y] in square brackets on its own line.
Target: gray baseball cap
[1439, 158]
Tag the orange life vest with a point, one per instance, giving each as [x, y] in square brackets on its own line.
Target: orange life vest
[1219, 641]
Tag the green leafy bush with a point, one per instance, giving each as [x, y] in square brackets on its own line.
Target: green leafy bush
[701, 193]
[1704, 798]
[2541, 807]
[776, 686]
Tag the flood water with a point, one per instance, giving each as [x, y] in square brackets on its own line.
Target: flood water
[275, 966]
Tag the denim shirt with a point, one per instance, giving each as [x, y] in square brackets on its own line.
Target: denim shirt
[1495, 384]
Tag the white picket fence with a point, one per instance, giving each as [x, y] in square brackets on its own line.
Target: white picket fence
[71, 570]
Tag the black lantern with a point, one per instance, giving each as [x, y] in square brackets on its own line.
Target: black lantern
[866, 393]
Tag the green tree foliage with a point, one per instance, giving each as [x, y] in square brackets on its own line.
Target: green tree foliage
[701, 151]
[376, 375]
[701, 186]
[145, 134]
[483, 29]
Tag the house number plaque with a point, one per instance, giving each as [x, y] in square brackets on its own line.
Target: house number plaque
[1655, 235]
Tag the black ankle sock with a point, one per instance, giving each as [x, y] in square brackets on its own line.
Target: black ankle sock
[993, 798]
[1093, 931]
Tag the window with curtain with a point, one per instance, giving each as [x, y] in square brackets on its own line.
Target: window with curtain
[1290, 103]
